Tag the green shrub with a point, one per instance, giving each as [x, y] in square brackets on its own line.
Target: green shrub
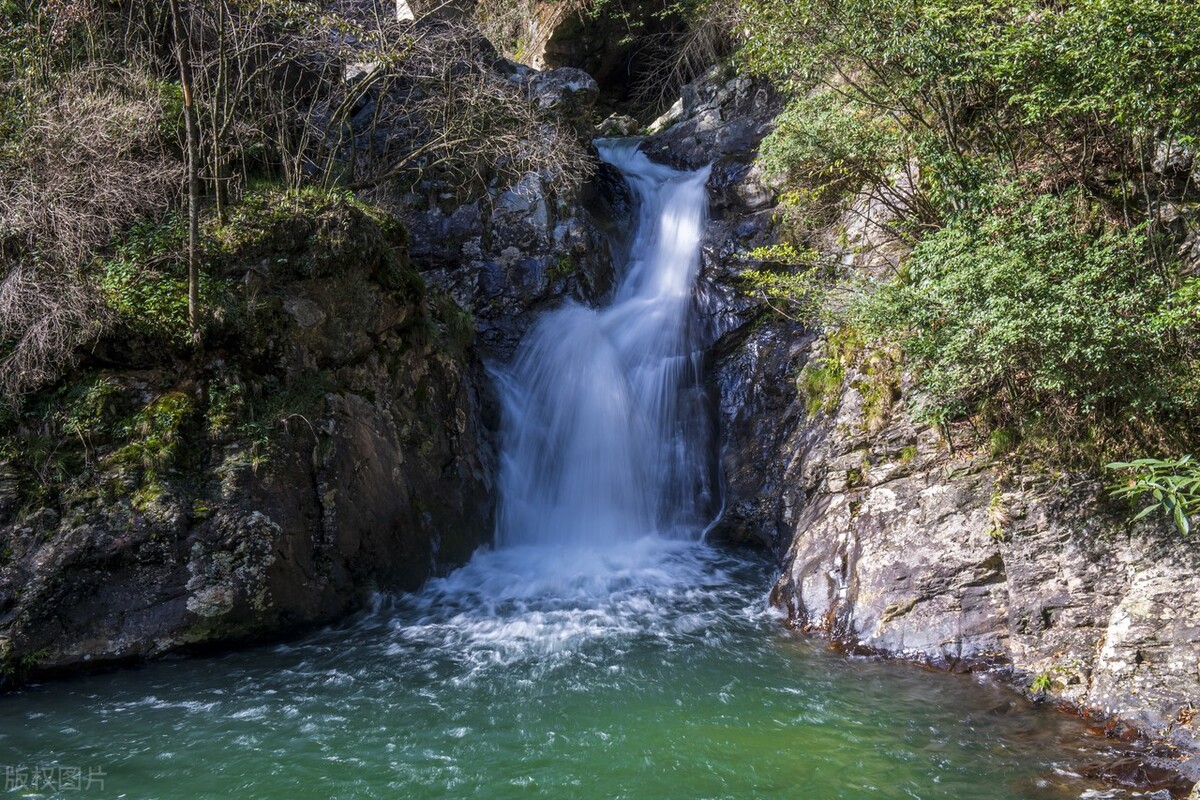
[1002, 441]
[154, 435]
[1172, 487]
[820, 384]
[1037, 301]
[1134, 62]
[145, 280]
[830, 139]
[1012, 140]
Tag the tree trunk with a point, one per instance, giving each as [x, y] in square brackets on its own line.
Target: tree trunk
[182, 54]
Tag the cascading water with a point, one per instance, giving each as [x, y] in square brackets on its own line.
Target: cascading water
[600, 651]
[606, 434]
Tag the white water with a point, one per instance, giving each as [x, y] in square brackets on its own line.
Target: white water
[606, 434]
[599, 652]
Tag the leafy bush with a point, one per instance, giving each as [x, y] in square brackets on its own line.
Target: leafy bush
[144, 282]
[826, 139]
[1171, 485]
[1037, 301]
[1013, 142]
[1135, 62]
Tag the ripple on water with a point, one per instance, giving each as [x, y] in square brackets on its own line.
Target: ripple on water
[657, 672]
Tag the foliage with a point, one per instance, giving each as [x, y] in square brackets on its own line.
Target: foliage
[1136, 62]
[145, 280]
[791, 281]
[820, 384]
[154, 434]
[1041, 302]
[1171, 486]
[826, 138]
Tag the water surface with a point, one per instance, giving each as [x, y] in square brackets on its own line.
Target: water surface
[549, 672]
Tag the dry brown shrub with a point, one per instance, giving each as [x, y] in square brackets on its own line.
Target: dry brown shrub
[46, 314]
[93, 159]
[445, 113]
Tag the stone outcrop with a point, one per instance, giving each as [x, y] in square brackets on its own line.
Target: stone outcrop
[514, 252]
[902, 548]
[324, 444]
[892, 541]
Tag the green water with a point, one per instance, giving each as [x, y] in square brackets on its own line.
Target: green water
[652, 673]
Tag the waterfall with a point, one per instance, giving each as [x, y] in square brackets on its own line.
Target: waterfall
[606, 433]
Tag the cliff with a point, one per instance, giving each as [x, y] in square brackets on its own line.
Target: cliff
[325, 442]
[903, 540]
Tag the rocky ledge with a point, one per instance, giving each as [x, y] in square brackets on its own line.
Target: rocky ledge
[324, 443]
[892, 540]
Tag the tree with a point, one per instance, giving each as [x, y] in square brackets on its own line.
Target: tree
[183, 58]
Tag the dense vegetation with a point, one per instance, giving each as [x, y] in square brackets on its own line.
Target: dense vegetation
[1035, 159]
[114, 115]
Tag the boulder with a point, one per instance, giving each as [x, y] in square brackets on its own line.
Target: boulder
[329, 444]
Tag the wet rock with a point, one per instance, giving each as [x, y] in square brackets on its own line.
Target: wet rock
[617, 125]
[721, 117]
[333, 447]
[509, 256]
[1136, 772]
[666, 119]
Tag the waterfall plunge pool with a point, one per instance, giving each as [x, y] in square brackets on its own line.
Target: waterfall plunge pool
[655, 672]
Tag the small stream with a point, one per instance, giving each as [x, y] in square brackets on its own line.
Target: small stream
[603, 650]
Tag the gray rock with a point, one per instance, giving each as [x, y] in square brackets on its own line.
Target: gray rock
[523, 206]
[305, 312]
[1172, 157]
[617, 125]
[570, 93]
[667, 118]
[719, 117]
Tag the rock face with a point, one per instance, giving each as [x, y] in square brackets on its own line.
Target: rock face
[516, 250]
[903, 549]
[617, 45]
[326, 443]
[890, 540]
